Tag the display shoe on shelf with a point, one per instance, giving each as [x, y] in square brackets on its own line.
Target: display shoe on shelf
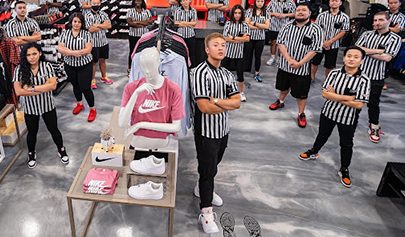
[216, 199]
[252, 226]
[228, 224]
[149, 165]
[207, 220]
[149, 190]
[92, 115]
[78, 108]
[106, 80]
[64, 158]
[32, 160]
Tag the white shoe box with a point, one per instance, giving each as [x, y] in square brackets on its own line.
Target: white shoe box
[114, 157]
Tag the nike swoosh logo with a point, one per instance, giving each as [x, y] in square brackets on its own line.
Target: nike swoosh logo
[142, 110]
[102, 160]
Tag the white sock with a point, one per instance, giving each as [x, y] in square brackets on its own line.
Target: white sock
[281, 101]
[374, 126]
[273, 56]
[206, 210]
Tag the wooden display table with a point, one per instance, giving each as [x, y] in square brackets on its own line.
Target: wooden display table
[126, 179]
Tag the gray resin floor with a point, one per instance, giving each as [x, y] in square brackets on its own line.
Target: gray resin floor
[260, 176]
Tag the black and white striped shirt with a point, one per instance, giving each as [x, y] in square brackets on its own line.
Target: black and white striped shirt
[26, 27]
[51, 10]
[144, 15]
[299, 41]
[91, 18]
[398, 18]
[235, 29]
[42, 103]
[214, 14]
[173, 8]
[389, 41]
[280, 6]
[76, 43]
[345, 84]
[85, 11]
[258, 34]
[208, 81]
[182, 15]
[333, 25]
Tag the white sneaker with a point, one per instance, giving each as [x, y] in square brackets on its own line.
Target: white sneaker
[149, 190]
[216, 199]
[242, 97]
[271, 61]
[207, 220]
[149, 165]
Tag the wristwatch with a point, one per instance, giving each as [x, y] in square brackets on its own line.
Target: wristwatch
[216, 100]
[33, 88]
[254, 24]
[233, 37]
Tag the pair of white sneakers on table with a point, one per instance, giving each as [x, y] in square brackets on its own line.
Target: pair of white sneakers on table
[148, 166]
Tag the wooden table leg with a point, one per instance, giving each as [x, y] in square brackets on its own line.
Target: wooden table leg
[71, 217]
[89, 217]
[171, 222]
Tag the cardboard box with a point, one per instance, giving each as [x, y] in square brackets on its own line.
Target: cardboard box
[114, 157]
[9, 133]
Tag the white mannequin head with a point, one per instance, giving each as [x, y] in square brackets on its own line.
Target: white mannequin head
[150, 62]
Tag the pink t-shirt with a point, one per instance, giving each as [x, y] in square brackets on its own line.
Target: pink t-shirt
[100, 181]
[163, 106]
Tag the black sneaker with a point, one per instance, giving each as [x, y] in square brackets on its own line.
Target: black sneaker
[252, 226]
[308, 155]
[32, 160]
[228, 224]
[64, 158]
[345, 177]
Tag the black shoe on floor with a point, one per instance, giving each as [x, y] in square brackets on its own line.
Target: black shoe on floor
[252, 226]
[32, 160]
[228, 224]
[64, 158]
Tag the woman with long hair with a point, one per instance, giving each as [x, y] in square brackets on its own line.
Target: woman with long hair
[258, 22]
[75, 45]
[236, 33]
[34, 80]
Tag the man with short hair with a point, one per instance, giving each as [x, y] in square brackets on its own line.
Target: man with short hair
[215, 93]
[298, 42]
[397, 18]
[345, 90]
[98, 23]
[21, 28]
[380, 45]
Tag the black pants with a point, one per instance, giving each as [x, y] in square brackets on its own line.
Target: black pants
[209, 155]
[51, 121]
[237, 63]
[132, 42]
[374, 101]
[346, 134]
[80, 77]
[190, 42]
[257, 46]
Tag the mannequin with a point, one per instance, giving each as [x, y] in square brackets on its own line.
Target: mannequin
[149, 62]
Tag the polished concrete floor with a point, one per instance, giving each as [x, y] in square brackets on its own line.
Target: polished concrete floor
[260, 176]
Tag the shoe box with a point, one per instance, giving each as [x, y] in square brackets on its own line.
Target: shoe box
[8, 131]
[114, 157]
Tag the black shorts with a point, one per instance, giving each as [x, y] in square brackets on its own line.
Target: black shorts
[100, 52]
[299, 85]
[330, 58]
[273, 35]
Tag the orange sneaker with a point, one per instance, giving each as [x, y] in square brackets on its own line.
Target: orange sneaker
[92, 115]
[106, 80]
[345, 177]
[308, 155]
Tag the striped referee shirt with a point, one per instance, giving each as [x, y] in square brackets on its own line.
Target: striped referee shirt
[398, 18]
[214, 14]
[183, 15]
[85, 11]
[144, 15]
[207, 82]
[51, 10]
[299, 41]
[280, 6]
[333, 25]
[258, 34]
[91, 18]
[389, 41]
[26, 27]
[42, 103]
[235, 29]
[76, 43]
[357, 84]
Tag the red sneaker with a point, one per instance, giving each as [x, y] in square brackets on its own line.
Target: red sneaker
[93, 84]
[106, 80]
[79, 107]
[302, 120]
[92, 115]
[276, 105]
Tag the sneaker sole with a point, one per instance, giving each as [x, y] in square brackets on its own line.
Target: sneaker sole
[309, 158]
[374, 141]
[228, 224]
[341, 181]
[32, 167]
[278, 107]
[63, 162]
[252, 226]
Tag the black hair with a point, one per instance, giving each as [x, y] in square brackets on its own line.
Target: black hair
[143, 5]
[306, 4]
[81, 18]
[233, 10]
[263, 9]
[363, 53]
[25, 73]
[19, 2]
